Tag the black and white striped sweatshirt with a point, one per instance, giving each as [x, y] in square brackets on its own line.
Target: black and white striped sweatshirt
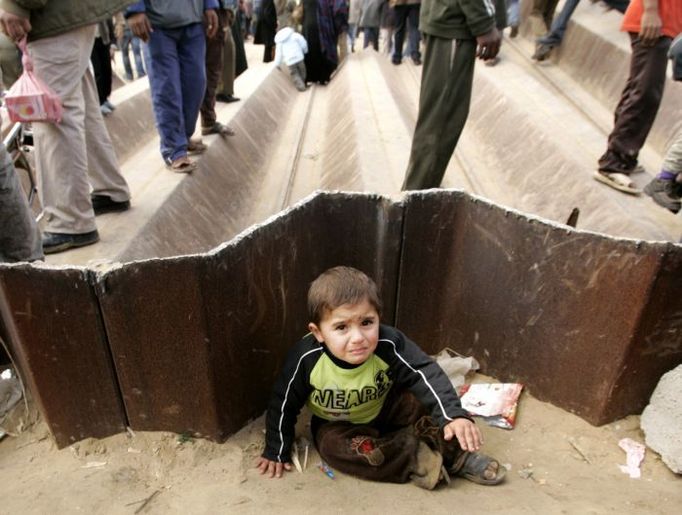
[335, 390]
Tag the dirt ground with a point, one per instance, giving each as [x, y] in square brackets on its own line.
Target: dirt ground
[547, 474]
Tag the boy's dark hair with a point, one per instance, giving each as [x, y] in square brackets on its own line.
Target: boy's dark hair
[338, 286]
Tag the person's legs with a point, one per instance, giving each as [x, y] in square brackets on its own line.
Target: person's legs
[638, 106]
[666, 188]
[61, 153]
[556, 33]
[103, 168]
[375, 38]
[413, 32]
[388, 450]
[444, 100]
[550, 8]
[297, 72]
[126, 41]
[229, 61]
[214, 66]
[192, 56]
[342, 42]
[163, 68]
[137, 54]
[101, 64]
[19, 234]
[513, 13]
[352, 34]
[401, 13]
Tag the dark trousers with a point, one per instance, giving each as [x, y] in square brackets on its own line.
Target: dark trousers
[544, 9]
[371, 37]
[393, 448]
[214, 69]
[638, 106]
[444, 100]
[406, 17]
[101, 63]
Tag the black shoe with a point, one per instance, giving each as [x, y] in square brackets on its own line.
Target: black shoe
[417, 61]
[396, 61]
[514, 31]
[54, 242]
[665, 194]
[222, 97]
[103, 204]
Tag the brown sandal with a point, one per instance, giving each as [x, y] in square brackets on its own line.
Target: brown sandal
[218, 128]
[181, 165]
[196, 146]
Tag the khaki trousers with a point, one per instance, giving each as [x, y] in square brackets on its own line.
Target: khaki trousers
[76, 154]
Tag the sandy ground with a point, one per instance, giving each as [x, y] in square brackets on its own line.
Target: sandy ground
[117, 474]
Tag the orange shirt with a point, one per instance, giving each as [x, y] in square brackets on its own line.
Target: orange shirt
[670, 12]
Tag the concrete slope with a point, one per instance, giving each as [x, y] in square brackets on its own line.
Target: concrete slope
[531, 143]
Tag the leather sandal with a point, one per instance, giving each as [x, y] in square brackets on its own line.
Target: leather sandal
[181, 165]
[218, 128]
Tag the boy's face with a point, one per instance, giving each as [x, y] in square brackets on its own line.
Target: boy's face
[350, 332]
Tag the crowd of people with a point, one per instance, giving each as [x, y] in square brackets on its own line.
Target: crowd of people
[192, 50]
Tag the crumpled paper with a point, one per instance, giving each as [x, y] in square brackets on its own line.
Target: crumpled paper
[635, 455]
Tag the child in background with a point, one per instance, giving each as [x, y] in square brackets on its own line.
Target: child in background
[290, 49]
[382, 409]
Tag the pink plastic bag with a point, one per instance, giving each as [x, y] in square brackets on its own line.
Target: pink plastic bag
[30, 99]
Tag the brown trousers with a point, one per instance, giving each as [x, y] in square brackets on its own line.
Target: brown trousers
[638, 106]
[215, 72]
[544, 9]
[402, 444]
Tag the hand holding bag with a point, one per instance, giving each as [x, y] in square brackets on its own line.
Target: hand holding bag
[30, 99]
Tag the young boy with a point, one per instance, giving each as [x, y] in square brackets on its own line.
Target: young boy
[370, 390]
[290, 49]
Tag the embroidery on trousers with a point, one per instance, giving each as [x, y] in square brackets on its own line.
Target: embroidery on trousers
[364, 446]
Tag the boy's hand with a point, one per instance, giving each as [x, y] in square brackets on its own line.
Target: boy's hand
[272, 468]
[468, 435]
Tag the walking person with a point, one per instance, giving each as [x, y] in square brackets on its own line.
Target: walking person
[456, 32]
[651, 25]
[406, 19]
[175, 32]
[74, 156]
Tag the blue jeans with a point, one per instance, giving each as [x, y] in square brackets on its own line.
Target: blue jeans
[352, 34]
[177, 77]
[129, 40]
[407, 17]
[513, 13]
[556, 33]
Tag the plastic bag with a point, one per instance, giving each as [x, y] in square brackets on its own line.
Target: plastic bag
[495, 402]
[30, 99]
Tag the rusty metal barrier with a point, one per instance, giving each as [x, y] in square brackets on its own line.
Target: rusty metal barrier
[586, 321]
[57, 340]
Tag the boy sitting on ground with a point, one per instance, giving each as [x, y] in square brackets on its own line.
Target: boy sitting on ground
[290, 49]
[382, 409]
